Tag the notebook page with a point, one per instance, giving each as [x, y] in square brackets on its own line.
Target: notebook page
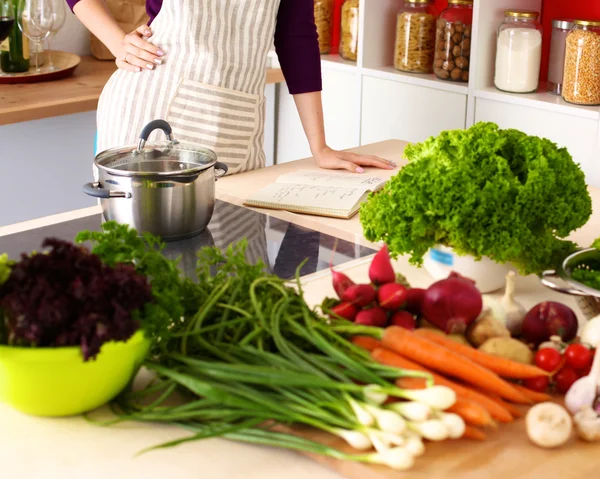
[335, 179]
[308, 196]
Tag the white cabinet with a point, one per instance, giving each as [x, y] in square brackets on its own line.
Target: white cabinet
[341, 110]
[392, 109]
[577, 134]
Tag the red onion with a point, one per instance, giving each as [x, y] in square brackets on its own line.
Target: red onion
[549, 319]
[452, 304]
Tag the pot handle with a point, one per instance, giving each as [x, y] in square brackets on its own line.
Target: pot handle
[544, 279]
[150, 127]
[95, 190]
[219, 166]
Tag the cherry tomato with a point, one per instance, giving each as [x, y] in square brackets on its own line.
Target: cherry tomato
[564, 379]
[539, 384]
[578, 356]
[548, 359]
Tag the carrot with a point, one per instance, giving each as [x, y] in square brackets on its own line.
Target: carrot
[533, 395]
[444, 360]
[366, 342]
[393, 359]
[472, 412]
[511, 408]
[473, 433]
[501, 366]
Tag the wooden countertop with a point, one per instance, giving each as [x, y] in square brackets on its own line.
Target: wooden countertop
[77, 94]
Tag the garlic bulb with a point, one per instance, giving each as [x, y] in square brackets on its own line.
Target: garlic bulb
[548, 425]
[506, 309]
[590, 332]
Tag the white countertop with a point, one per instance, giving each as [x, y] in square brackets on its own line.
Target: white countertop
[71, 448]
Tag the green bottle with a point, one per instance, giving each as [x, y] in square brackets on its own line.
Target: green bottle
[14, 51]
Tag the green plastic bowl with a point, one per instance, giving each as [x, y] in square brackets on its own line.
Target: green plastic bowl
[55, 382]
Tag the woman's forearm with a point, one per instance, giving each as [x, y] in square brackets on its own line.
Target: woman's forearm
[310, 109]
[96, 17]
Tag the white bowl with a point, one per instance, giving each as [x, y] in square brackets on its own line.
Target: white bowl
[488, 275]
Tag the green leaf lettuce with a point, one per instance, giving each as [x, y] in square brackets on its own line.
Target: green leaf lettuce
[484, 192]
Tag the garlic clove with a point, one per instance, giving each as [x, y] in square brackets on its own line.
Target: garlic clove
[548, 425]
[583, 391]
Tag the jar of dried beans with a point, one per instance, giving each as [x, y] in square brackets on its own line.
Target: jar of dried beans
[581, 79]
[349, 31]
[323, 20]
[453, 41]
[415, 37]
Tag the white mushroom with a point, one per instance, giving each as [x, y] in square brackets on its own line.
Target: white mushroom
[548, 425]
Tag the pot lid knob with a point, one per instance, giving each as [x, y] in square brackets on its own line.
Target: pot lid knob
[149, 128]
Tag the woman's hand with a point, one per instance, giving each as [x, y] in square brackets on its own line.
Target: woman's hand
[136, 52]
[344, 160]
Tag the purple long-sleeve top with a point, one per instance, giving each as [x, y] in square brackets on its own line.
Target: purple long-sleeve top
[296, 43]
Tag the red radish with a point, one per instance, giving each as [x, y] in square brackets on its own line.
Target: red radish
[391, 296]
[341, 282]
[452, 304]
[360, 295]
[414, 300]
[549, 319]
[345, 310]
[381, 270]
[404, 319]
[372, 317]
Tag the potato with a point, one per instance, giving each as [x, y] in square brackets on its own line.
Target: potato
[459, 338]
[508, 348]
[486, 327]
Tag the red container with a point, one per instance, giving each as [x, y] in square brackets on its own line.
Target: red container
[336, 26]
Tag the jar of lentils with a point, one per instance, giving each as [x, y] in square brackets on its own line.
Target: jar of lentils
[581, 79]
[453, 41]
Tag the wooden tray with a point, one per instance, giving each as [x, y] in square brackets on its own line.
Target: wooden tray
[64, 64]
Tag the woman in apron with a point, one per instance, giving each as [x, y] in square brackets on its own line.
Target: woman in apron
[200, 65]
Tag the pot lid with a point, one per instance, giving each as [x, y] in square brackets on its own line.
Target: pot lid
[157, 158]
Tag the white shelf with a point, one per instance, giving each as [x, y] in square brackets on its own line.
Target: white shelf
[418, 79]
[336, 62]
[542, 100]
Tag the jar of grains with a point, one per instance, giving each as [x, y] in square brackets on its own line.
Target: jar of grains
[518, 52]
[556, 65]
[323, 19]
[453, 41]
[415, 37]
[581, 78]
[349, 31]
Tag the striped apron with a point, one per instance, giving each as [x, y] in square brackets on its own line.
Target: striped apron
[210, 88]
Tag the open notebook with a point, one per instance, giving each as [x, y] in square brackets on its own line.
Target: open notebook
[317, 192]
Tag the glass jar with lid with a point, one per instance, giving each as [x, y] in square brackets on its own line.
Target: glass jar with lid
[581, 77]
[453, 41]
[323, 20]
[556, 64]
[415, 37]
[349, 30]
[518, 52]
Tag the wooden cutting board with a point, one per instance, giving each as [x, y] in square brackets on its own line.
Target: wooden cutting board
[506, 454]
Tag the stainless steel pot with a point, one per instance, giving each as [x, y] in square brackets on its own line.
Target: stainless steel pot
[165, 188]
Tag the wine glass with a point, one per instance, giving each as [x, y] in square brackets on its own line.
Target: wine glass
[35, 19]
[7, 19]
[59, 14]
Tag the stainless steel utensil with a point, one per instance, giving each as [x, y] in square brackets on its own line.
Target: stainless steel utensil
[580, 259]
[165, 188]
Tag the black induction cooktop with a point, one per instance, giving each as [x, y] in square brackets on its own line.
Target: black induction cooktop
[281, 245]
